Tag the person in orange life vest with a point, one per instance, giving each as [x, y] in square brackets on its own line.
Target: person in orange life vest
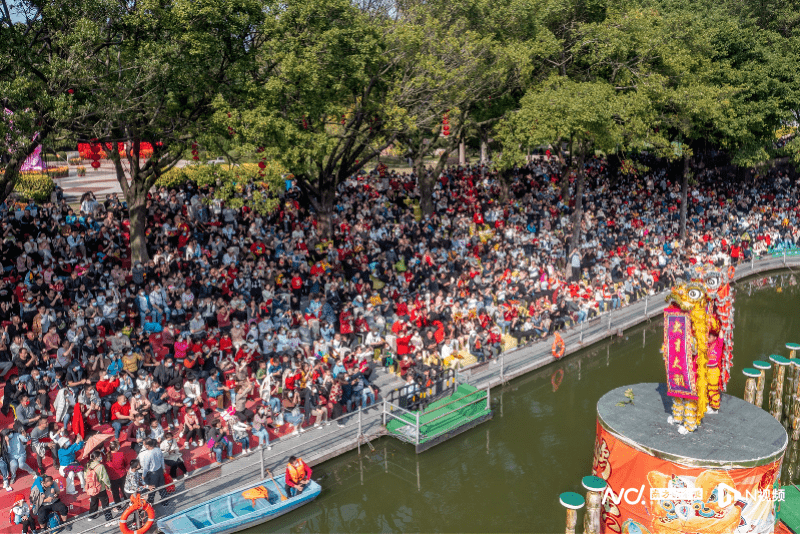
[298, 475]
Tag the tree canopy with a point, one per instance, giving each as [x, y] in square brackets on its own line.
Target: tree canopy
[323, 88]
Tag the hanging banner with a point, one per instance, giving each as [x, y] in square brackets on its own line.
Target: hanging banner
[678, 359]
[34, 162]
[650, 495]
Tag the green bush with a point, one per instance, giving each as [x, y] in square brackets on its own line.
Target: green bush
[34, 185]
[230, 183]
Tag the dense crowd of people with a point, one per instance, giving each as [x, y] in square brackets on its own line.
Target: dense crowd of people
[244, 325]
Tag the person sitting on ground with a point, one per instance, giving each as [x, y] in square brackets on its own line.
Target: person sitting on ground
[218, 439]
[23, 514]
[192, 431]
[172, 455]
[48, 501]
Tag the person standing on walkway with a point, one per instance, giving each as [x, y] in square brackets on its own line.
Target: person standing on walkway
[152, 461]
[298, 476]
[117, 470]
[97, 485]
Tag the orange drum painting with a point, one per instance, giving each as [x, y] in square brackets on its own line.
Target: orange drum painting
[647, 494]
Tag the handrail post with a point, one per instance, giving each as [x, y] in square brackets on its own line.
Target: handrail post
[383, 412]
[261, 460]
[358, 438]
[488, 399]
[646, 302]
[417, 428]
[502, 366]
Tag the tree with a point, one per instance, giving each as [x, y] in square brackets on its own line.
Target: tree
[448, 71]
[168, 62]
[325, 110]
[587, 115]
[44, 50]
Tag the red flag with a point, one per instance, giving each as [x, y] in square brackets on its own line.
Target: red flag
[77, 421]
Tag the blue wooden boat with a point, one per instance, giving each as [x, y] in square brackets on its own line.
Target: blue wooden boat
[237, 510]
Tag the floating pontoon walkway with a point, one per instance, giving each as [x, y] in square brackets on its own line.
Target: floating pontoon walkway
[466, 408]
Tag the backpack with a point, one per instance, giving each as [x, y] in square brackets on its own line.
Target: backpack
[93, 485]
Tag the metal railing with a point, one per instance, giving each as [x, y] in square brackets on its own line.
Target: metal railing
[212, 481]
[520, 360]
[419, 399]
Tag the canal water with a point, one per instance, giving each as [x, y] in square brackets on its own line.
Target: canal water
[505, 475]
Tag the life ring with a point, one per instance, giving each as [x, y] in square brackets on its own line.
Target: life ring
[137, 503]
[556, 379]
[731, 272]
[559, 347]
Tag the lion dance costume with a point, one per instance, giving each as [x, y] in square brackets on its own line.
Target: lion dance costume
[698, 344]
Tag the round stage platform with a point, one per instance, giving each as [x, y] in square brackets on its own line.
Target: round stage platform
[719, 479]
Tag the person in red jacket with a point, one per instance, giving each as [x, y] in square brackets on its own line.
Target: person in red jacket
[117, 468]
[106, 389]
[120, 414]
[298, 476]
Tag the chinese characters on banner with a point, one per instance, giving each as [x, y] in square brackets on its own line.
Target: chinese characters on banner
[678, 354]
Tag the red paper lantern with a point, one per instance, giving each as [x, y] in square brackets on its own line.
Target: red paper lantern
[262, 165]
[95, 164]
[95, 148]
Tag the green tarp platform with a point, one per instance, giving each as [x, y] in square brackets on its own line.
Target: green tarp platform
[789, 511]
[429, 429]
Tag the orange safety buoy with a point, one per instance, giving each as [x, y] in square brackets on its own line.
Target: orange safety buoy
[559, 347]
[556, 379]
[137, 503]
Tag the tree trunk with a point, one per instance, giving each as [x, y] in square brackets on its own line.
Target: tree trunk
[137, 202]
[577, 215]
[462, 153]
[426, 181]
[324, 206]
[484, 148]
[684, 195]
[8, 180]
[614, 164]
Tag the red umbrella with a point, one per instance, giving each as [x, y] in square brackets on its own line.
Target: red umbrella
[93, 442]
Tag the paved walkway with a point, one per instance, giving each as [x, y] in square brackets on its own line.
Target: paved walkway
[101, 181]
